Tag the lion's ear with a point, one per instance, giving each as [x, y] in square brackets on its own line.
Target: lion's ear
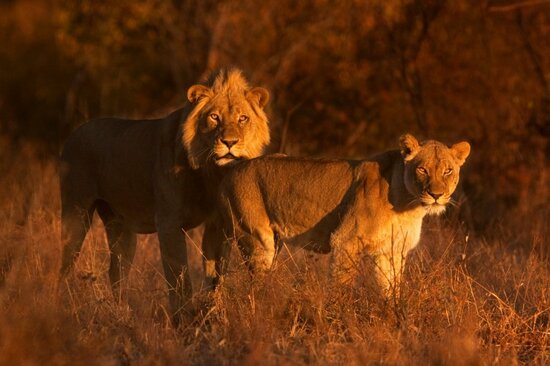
[409, 146]
[197, 92]
[461, 151]
[259, 95]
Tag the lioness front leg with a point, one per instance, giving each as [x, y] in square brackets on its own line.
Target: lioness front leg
[389, 268]
[173, 251]
[258, 250]
[344, 263]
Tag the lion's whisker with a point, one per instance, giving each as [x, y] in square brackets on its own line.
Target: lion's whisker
[453, 203]
[413, 202]
[205, 150]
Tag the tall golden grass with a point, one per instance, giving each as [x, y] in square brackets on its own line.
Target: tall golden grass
[467, 299]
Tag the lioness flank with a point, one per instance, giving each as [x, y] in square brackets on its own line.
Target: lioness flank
[369, 208]
[146, 176]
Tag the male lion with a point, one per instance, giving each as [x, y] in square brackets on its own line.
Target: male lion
[371, 207]
[143, 176]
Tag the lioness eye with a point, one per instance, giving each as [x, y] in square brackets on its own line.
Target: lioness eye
[214, 116]
[422, 170]
[243, 118]
[448, 171]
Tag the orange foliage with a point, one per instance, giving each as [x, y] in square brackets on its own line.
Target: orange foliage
[347, 78]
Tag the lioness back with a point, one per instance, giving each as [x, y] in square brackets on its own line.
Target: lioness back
[300, 197]
[277, 178]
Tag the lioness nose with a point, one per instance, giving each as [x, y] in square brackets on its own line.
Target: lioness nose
[435, 195]
[229, 141]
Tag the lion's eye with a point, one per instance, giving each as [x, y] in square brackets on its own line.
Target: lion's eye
[421, 170]
[448, 171]
[243, 118]
[214, 117]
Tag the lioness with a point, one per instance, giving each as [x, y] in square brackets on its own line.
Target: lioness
[146, 176]
[371, 207]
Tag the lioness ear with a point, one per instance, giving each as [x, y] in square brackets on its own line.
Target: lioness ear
[409, 146]
[461, 151]
[197, 92]
[259, 95]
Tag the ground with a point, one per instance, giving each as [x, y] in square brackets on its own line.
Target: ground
[468, 299]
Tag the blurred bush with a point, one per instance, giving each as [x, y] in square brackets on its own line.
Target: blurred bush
[347, 77]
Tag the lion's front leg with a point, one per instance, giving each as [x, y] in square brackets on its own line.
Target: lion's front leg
[173, 250]
[216, 250]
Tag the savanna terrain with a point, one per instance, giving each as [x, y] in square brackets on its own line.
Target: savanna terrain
[347, 78]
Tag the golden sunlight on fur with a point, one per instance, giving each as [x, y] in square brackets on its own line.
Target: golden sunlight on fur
[352, 209]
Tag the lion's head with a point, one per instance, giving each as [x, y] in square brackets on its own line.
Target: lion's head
[432, 170]
[227, 123]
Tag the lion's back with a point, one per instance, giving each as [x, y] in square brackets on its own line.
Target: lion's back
[113, 137]
[113, 159]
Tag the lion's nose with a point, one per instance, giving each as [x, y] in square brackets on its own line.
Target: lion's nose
[435, 195]
[229, 142]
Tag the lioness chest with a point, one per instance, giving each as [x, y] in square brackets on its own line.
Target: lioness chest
[394, 234]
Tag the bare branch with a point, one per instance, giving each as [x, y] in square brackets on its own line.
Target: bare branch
[518, 5]
[530, 49]
[282, 145]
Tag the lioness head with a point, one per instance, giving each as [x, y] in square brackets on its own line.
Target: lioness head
[432, 170]
[228, 122]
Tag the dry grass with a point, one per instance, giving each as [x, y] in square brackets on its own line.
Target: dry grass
[467, 301]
